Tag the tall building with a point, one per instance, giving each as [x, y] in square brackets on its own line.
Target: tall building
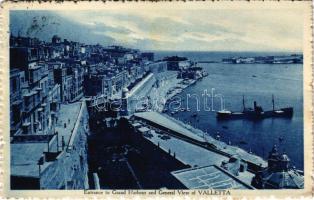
[17, 81]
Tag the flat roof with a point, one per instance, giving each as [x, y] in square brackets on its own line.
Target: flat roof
[24, 158]
[209, 177]
[25, 155]
[168, 123]
[188, 131]
[186, 152]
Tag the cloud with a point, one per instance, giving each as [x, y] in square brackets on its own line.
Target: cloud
[214, 30]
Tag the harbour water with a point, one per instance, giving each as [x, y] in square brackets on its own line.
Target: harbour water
[257, 82]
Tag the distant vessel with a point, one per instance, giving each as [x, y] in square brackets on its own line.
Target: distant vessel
[256, 113]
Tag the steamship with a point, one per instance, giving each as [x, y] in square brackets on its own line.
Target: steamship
[255, 113]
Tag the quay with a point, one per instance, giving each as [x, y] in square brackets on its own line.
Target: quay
[175, 128]
[213, 164]
[194, 150]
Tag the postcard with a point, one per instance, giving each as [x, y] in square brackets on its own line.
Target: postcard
[156, 99]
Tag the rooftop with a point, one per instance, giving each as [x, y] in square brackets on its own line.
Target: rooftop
[186, 152]
[284, 179]
[25, 155]
[24, 158]
[168, 123]
[193, 155]
[196, 134]
[209, 177]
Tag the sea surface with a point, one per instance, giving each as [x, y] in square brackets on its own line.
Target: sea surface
[256, 82]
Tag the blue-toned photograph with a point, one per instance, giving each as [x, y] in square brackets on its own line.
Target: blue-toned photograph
[137, 99]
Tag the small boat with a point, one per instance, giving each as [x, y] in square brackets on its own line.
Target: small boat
[256, 113]
[253, 76]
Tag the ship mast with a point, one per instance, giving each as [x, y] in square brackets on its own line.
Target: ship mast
[243, 103]
[273, 101]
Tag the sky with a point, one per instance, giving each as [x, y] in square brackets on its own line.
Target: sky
[177, 30]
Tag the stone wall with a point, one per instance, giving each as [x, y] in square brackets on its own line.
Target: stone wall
[137, 96]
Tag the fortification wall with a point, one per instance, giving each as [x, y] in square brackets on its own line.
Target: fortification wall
[139, 93]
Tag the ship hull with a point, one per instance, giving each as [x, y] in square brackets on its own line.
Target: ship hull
[282, 113]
